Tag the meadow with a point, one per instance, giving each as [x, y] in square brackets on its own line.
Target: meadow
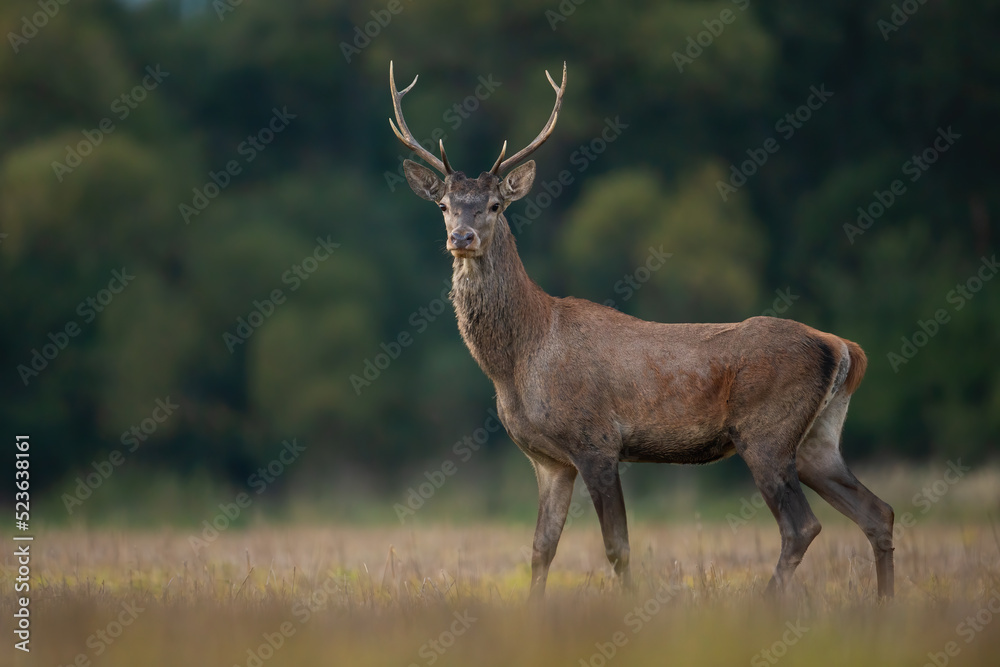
[457, 595]
[210, 260]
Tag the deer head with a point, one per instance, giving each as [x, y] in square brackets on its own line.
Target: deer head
[471, 207]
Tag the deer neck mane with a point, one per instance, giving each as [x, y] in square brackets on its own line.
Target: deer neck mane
[502, 314]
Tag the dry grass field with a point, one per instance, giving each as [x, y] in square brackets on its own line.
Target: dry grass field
[446, 595]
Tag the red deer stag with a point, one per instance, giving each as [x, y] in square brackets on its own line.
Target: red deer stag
[581, 386]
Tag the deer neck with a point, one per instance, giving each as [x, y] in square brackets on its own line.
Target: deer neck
[502, 314]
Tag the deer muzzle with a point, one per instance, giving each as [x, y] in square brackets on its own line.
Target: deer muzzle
[463, 241]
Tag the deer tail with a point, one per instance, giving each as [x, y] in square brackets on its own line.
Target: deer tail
[859, 362]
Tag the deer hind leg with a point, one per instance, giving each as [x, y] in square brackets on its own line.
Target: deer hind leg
[605, 486]
[778, 482]
[555, 490]
[821, 467]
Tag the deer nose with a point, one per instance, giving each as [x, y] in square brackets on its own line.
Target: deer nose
[462, 238]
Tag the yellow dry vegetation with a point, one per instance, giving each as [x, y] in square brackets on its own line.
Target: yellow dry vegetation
[448, 595]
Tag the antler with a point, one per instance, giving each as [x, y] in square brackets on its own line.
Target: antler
[406, 136]
[503, 165]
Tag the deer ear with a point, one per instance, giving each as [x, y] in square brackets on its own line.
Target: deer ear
[423, 181]
[518, 182]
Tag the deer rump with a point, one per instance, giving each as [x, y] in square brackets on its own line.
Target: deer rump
[672, 393]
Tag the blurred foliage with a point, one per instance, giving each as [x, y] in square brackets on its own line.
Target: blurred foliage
[331, 174]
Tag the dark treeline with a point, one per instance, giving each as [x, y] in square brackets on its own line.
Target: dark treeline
[206, 246]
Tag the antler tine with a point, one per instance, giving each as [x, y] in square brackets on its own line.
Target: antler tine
[496, 165]
[544, 134]
[444, 158]
[406, 136]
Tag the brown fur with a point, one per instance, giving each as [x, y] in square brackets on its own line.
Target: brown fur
[581, 386]
[859, 363]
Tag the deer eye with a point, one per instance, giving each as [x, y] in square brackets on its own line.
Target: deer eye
[442, 207]
[495, 208]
